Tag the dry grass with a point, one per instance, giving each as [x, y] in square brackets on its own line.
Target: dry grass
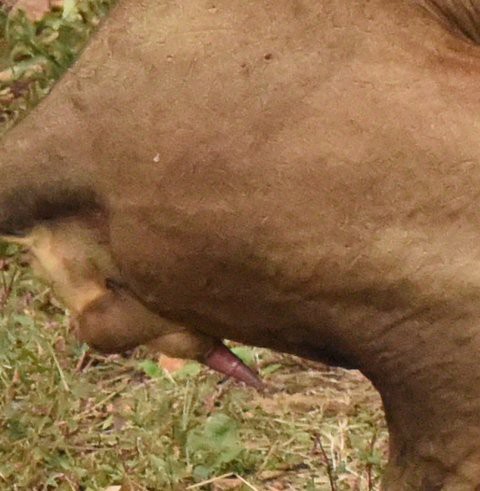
[74, 420]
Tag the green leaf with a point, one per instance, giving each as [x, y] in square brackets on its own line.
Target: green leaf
[216, 443]
[189, 370]
[107, 423]
[201, 473]
[271, 368]
[151, 369]
[16, 428]
[245, 353]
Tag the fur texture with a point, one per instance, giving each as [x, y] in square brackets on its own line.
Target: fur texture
[298, 174]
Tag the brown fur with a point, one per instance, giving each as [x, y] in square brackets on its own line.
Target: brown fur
[299, 174]
[116, 322]
[460, 16]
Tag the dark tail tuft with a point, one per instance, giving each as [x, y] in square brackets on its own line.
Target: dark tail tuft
[25, 207]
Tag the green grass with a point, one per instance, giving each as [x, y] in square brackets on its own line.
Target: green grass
[33, 56]
[74, 420]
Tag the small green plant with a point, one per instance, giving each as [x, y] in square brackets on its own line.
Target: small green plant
[213, 445]
[71, 419]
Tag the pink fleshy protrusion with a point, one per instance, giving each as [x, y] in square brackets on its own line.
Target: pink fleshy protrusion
[224, 361]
